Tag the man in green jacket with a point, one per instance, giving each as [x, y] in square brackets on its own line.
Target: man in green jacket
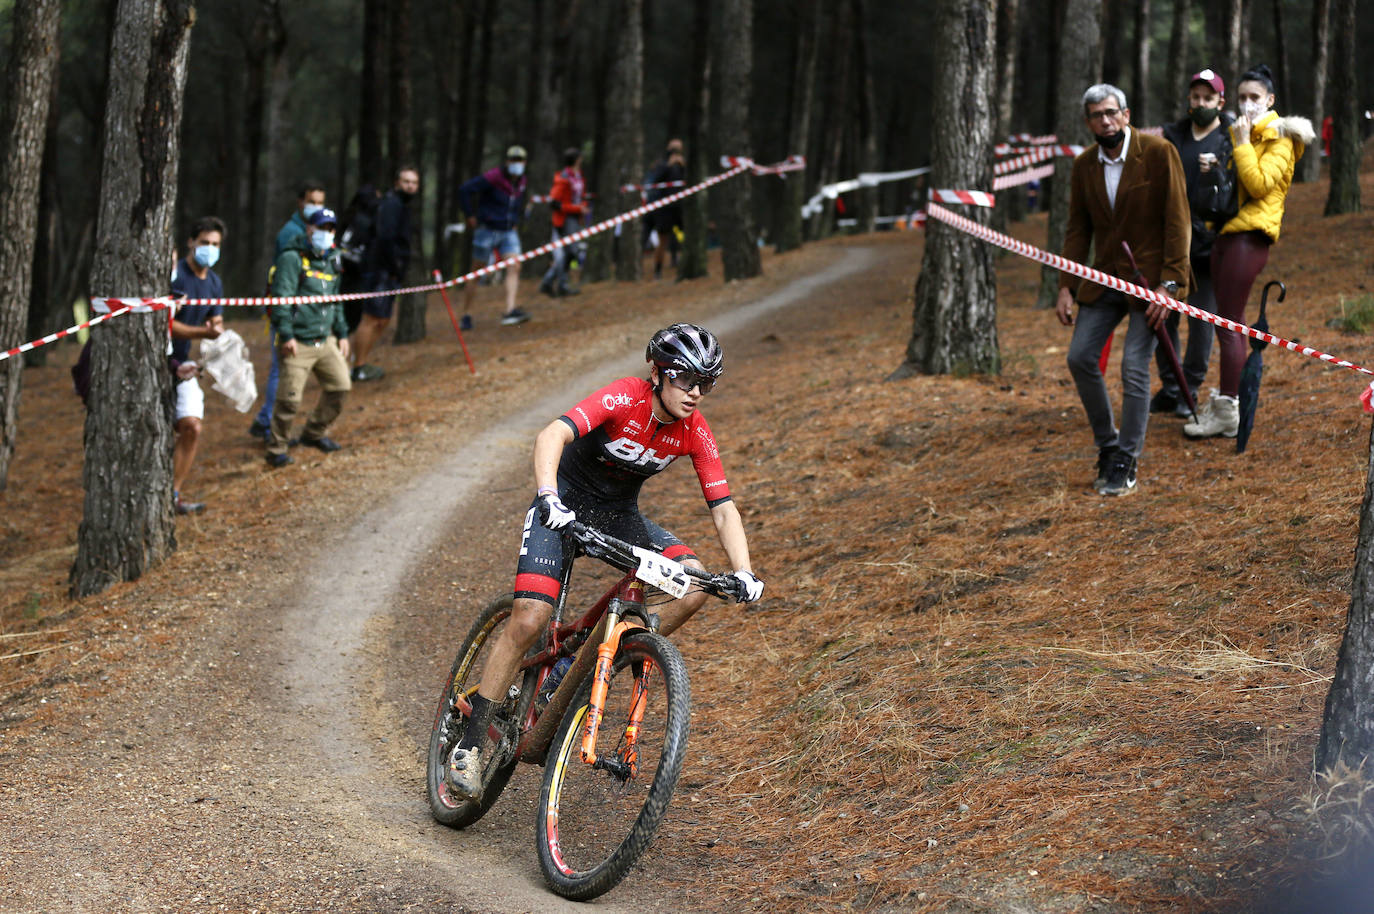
[311, 338]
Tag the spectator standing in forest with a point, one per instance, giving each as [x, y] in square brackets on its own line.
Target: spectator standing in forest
[388, 255]
[1266, 150]
[356, 226]
[309, 200]
[666, 223]
[1204, 149]
[568, 212]
[1128, 187]
[313, 339]
[494, 204]
[193, 278]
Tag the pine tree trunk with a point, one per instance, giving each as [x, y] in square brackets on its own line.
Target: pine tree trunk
[1178, 60]
[29, 77]
[127, 525]
[866, 198]
[1078, 67]
[1310, 165]
[1142, 108]
[954, 329]
[832, 135]
[691, 261]
[625, 131]
[45, 312]
[410, 309]
[1011, 203]
[1348, 724]
[372, 98]
[1233, 39]
[789, 235]
[733, 40]
[1281, 47]
[1344, 195]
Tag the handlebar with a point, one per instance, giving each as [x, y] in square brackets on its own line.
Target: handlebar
[620, 554]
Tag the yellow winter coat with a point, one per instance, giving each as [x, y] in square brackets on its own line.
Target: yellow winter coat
[1264, 169]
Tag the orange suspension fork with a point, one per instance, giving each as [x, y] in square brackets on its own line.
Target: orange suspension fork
[633, 591]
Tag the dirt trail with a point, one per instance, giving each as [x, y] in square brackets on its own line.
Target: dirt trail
[276, 762]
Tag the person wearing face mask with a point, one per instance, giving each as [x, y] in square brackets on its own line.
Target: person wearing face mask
[494, 203]
[388, 255]
[1129, 188]
[1204, 148]
[313, 339]
[193, 278]
[1267, 148]
[309, 200]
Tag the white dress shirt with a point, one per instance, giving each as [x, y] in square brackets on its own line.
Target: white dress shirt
[1111, 168]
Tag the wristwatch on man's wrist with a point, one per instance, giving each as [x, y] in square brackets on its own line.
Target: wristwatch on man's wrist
[1171, 287]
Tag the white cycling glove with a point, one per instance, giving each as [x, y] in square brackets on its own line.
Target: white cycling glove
[554, 514]
[753, 587]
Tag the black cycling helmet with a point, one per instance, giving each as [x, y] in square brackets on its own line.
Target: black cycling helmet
[687, 347]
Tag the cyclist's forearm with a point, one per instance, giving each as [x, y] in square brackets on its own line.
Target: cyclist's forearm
[730, 529]
[548, 450]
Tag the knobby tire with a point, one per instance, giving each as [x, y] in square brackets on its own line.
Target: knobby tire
[500, 758]
[594, 824]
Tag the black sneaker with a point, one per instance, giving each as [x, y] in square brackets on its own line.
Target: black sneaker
[279, 460]
[258, 430]
[1104, 461]
[511, 318]
[1164, 402]
[323, 443]
[1120, 475]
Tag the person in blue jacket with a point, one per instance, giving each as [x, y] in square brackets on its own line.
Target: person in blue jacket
[494, 203]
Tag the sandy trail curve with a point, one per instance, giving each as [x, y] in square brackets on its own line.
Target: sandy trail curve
[330, 661]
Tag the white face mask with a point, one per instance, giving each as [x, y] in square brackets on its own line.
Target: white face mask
[516, 168]
[1253, 110]
[321, 240]
[310, 209]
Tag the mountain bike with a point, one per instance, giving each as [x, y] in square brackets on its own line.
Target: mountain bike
[611, 734]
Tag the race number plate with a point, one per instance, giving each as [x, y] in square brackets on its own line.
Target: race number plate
[663, 573]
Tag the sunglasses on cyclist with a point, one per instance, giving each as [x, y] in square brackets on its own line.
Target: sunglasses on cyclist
[686, 380]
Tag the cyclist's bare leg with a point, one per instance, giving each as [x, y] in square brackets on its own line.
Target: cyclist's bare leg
[672, 615]
[528, 619]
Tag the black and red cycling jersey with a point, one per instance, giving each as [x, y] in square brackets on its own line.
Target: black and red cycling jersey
[618, 444]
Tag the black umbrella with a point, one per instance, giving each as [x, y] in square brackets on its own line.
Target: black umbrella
[1254, 370]
[1162, 334]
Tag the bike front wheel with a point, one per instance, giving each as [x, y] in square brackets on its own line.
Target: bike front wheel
[448, 807]
[595, 820]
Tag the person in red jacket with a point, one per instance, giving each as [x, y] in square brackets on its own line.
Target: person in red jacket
[569, 213]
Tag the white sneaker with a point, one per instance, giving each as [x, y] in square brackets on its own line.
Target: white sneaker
[1221, 416]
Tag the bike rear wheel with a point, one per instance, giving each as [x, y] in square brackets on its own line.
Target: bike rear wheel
[449, 721]
[595, 821]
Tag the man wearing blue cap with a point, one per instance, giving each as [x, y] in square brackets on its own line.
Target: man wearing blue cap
[312, 338]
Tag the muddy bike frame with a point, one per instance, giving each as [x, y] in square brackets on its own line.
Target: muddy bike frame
[620, 610]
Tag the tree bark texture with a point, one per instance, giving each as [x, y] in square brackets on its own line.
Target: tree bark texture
[127, 525]
[831, 139]
[372, 98]
[1142, 108]
[1233, 40]
[954, 329]
[1011, 203]
[733, 40]
[625, 131]
[1078, 68]
[1179, 69]
[1348, 723]
[1283, 74]
[1344, 195]
[789, 234]
[866, 198]
[691, 261]
[403, 150]
[28, 83]
[1310, 166]
[45, 304]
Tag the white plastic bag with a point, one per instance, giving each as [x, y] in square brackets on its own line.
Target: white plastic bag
[225, 360]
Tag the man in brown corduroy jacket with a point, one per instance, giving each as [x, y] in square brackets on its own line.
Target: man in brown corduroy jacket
[1128, 187]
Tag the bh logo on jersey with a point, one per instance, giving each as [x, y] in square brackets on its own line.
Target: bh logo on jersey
[611, 401]
[627, 450]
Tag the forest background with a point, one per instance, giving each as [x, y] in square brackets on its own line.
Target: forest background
[342, 91]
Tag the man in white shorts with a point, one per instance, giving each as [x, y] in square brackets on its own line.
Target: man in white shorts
[193, 278]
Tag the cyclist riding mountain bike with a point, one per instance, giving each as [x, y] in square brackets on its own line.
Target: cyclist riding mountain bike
[592, 461]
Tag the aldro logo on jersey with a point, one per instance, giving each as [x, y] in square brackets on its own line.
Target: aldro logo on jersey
[627, 450]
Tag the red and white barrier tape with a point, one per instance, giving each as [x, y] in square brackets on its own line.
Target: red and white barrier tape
[117, 306]
[971, 197]
[1002, 182]
[1032, 158]
[1032, 140]
[983, 233]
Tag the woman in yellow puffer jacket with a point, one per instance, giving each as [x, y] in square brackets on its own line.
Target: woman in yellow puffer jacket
[1266, 150]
